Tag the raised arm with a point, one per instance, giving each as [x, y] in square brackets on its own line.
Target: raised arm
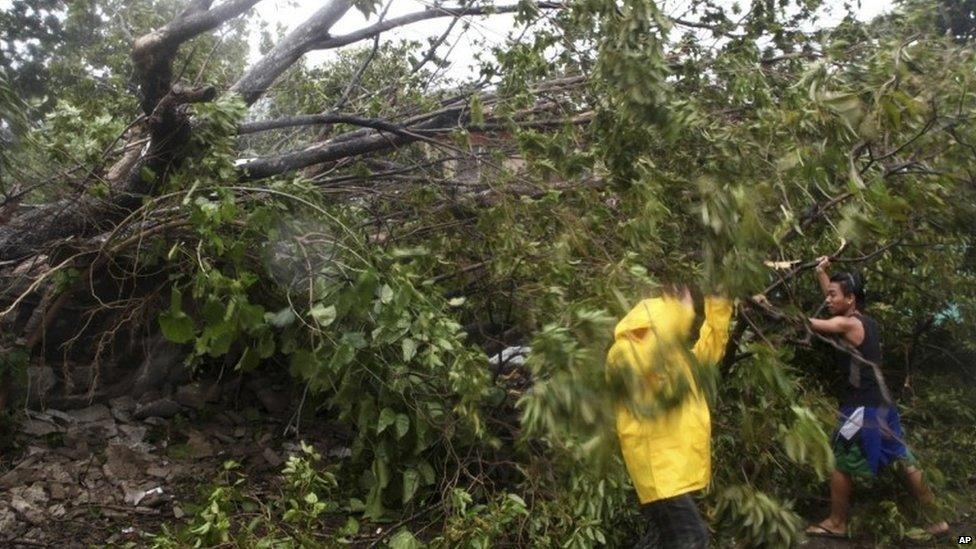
[821, 270]
[714, 333]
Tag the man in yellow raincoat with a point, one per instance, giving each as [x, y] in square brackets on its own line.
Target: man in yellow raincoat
[663, 423]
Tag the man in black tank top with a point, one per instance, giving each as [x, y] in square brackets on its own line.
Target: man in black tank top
[869, 434]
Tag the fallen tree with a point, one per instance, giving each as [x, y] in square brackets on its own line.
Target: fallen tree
[378, 232]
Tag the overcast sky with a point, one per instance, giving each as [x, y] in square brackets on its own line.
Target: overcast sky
[486, 30]
[492, 30]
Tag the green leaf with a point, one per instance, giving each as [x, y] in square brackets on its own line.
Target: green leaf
[355, 505]
[847, 105]
[351, 527]
[788, 161]
[386, 293]
[282, 318]
[147, 174]
[373, 507]
[387, 418]
[249, 360]
[266, 344]
[323, 315]
[403, 539]
[426, 472]
[355, 340]
[477, 113]
[303, 363]
[381, 471]
[177, 327]
[409, 347]
[402, 425]
[216, 339]
[855, 182]
[411, 481]
[403, 253]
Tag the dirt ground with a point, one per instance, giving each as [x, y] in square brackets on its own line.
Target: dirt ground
[944, 541]
[110, 473]
[107, 474]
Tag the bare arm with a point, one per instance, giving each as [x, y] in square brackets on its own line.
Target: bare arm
[821, 270]
[835, 325]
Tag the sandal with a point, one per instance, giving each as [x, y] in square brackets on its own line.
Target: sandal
[821, 531]
[938, 533]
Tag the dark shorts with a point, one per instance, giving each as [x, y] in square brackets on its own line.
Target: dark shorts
[868, 438]
[673, 523]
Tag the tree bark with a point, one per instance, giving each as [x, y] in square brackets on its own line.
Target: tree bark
[256, 81]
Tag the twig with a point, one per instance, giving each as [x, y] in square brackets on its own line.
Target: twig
[29, 543]
[396, 525]
[125, 509]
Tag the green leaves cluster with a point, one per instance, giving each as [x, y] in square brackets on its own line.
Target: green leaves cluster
[710, 151]
[756, 519]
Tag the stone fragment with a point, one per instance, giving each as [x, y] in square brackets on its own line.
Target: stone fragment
[162, 407]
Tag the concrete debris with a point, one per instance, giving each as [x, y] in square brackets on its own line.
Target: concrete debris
[39, 428]
[133, 434]
[122, 408]
[135, 496]
[91, 414]
[514, 356]
[198, 445]
[112, 471]
[162, 407]
[272, 457]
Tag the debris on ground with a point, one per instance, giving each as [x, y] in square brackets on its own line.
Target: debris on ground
[108, 473]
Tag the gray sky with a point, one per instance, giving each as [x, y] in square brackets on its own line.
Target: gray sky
[485, 30]
[491, 30]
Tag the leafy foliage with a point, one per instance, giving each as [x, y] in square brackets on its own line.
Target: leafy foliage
[382, 284]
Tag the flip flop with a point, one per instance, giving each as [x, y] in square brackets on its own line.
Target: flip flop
[939, 535]
[821, 532]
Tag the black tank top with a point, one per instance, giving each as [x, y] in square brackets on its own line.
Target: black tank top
[867, 392]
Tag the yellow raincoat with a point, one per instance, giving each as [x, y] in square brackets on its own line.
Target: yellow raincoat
[669, 453]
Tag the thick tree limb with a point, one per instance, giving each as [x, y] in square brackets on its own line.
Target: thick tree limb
[83, 216]
[181, 95]
[153, 53]
[351, 144]
[313, 35]
[197, 18]
[421, 127]
[430, 13]
[256, 81]
[315, 119]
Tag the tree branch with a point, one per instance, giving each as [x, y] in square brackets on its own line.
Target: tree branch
[430, 13]
[196, 19]
[153, 53]
[314, 119]
[418, 128]
[351, 144]
[313, 35]
[252, 85]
